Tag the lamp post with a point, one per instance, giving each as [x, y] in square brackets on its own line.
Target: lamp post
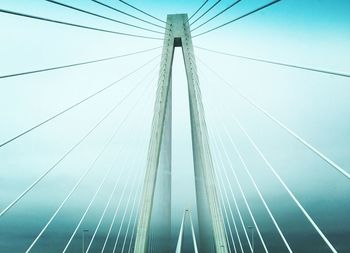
[252, 239]
[83, 243]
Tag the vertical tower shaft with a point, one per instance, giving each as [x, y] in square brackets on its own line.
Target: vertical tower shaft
[211, 224]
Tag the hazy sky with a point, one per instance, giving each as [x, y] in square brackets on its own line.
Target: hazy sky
[314, 33]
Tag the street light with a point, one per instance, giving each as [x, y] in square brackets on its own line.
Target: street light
[84, 231]
[252, 240]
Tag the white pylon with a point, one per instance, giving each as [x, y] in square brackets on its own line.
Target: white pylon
[210, 221]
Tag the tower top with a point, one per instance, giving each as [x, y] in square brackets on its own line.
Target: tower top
[178, 28]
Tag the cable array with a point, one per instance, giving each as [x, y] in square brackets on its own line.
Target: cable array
[241, 190]
[127, 14]
[118, 179]
[77, 64]
[256, 187]
[216, 147]
[331, 247]
[76, 104]
[143, 12]
[76, 25]
[227, 223]
[217, 15]
[200, 7]
[214, 143]
[283, 126]
[103, 181]
[129, 177]
[66, 154]
[220, 181]
[277, 63]
[282, 182]
[222, 193]
[206, 12]
[236, 19]
[83, 176]
[108, 172]
[103, 17]
[233, 195]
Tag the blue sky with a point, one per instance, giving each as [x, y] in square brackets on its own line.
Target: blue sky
[312, 33]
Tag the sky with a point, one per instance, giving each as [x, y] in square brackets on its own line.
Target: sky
[314, 33]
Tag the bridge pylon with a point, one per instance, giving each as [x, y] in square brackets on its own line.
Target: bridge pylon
[210, 221]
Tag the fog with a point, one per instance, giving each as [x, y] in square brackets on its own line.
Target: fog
[316, 106]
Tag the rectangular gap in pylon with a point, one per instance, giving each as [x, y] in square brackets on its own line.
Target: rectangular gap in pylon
[177, 42]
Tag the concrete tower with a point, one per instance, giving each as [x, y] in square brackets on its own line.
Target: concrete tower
[210, 221]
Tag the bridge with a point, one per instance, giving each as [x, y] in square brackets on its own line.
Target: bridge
[150, 162]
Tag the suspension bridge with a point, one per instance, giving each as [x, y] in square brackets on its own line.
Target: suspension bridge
[111, 185]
